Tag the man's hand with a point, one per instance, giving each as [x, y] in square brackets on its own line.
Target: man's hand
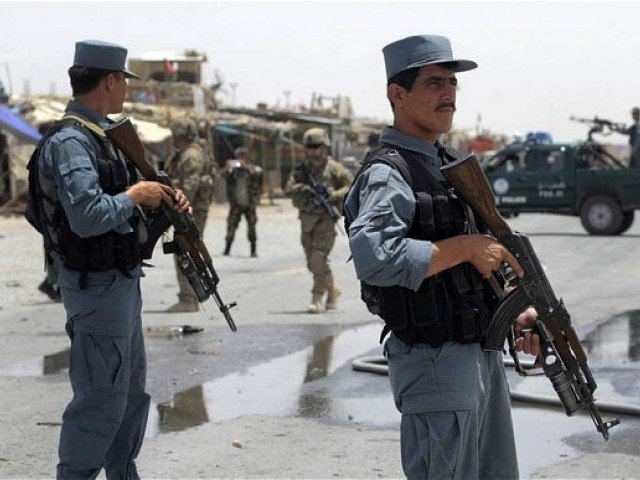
[181, 203]
[527, 340]
[151, 194]
[487, 254]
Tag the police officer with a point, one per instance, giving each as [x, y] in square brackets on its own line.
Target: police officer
[86, 195]
[634, 138]
[244, 187]
[190, 171]
[318, 229]
[422, 272]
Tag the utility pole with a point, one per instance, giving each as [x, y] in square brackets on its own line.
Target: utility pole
[286, 94]
[233, 93]
[10, 83]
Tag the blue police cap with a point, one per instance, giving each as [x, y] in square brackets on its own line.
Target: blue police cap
[421, 50]
[99, 54]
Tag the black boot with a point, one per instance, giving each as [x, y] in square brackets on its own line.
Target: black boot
[254, 253]
[227, 249]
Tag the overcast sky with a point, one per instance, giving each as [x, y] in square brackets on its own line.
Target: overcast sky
[539, 62]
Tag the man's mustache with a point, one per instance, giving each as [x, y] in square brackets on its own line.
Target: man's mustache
[446, 105]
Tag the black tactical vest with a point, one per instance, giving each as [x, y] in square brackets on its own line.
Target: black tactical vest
[452, 305]
[101, 252]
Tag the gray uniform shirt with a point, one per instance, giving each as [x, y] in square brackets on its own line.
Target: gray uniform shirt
[634, 142]
[634, 134]
[69, 170]
[382, 205]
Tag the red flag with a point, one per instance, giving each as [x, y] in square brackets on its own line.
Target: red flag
[170, 67]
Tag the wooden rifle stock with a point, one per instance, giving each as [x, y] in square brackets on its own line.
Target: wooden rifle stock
[471, 184]
[124, 135]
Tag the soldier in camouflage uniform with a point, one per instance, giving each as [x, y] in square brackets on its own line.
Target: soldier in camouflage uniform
[318, 230]
[190, 171]
[244, 185]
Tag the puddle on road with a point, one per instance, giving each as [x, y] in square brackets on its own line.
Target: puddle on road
[277, 388]
[613, 351]
[539, 434]
[39, 366]
[617, 339]
[271, 388]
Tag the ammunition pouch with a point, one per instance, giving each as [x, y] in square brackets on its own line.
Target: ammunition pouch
[448, 307]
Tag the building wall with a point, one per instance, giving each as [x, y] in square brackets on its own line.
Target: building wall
[146, 69]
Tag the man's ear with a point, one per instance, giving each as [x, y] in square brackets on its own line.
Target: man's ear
[110, 81]
[396, 94]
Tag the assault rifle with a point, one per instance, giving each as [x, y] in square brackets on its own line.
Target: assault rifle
[598, 125]
[602, 122]
[194, 260]
[562, 357]
[321, 196]
[593, 152]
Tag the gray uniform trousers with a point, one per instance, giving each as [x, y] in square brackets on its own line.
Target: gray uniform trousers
[104, 424]
[456, 416]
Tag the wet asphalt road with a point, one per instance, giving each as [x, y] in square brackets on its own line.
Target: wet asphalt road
[286, 363]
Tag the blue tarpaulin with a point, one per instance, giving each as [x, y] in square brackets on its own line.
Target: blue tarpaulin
[16, 126]
[228, 130]
[231, 131]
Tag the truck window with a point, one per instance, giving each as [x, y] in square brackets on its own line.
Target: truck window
[555, 161]
[502, 163]
[545, 160]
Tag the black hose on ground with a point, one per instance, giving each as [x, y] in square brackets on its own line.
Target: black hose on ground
[378, 364]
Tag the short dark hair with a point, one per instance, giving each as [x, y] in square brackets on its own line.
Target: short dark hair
[405, 79]
[86, 79]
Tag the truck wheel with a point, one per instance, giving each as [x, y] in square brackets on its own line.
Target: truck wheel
[601, 215]
[627, 221]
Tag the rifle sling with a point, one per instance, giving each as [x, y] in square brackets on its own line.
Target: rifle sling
[87, 123]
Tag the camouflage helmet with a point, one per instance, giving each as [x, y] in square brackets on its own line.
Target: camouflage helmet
[185, 127]
[316, 136]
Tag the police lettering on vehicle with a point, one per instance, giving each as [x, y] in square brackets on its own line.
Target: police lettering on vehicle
[512, 200]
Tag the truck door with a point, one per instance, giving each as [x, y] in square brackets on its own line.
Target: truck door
[504, 172]
[545, 178]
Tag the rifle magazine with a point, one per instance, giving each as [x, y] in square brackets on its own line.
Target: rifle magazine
[503, 317]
